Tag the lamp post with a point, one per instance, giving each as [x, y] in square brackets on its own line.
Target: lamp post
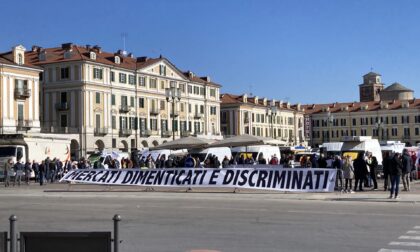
[380, 125]
[330, 119]
[173, 95]
[271, 112]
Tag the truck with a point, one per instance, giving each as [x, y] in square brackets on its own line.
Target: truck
[352, 145]
[21, 148]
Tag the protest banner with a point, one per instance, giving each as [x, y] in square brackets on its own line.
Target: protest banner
[279, 179]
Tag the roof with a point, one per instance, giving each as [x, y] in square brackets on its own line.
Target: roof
[372, 74]
[396, 87]
[358, 106]
[231, 99]
[6, 58]
[82, 53]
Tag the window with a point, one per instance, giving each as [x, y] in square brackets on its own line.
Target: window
[162, 70]
[202, 109]
[189, 89]
[123, 78]
[114, 143]
[131, 80]
[394, 132]
[20, 59]
[196, 90]
[189, 108]
[112, 76]
[182, 107]
[394, 120]
[63, 97]
[213, 111]
[132, 101]
[406, 132]
[97, 73]
[124, 100]
[213, 92]
[354, 122]
[63, 120]
[162, 85]
[142, 81]
[98, 98]
[113, 99]
[162, 105]
[65, 73]
[202, 91]
[152, 83]
[141, 102]
[153, 124]
[417, 131]
[182, 87]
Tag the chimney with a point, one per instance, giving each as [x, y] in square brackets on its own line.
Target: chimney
[131, 55]
[97, 48]
[67, 46]
[142, 59]
[36, 48]
[190, 74]
[88, 47]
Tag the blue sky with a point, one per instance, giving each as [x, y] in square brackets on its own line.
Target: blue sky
[310, 51]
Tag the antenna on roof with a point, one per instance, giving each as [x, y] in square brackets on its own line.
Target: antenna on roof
[250, 90]
[124, 35]
[371, 69]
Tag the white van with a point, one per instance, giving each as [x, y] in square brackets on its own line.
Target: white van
[355, 144]
[156, 154]
[267, 151]
[219, 152]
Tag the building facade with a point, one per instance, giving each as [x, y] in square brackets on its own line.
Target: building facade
[114, 101]
[397, 120]
[19, 93]
[256, 116]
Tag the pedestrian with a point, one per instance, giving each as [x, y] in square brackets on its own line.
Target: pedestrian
[386, 164]
[360, 171]
[338, 165]
[225, 162]
[274, 160]
[395, 172]
[322, 162]
[42, 170]
[8, 169]
[406, 169]
[373, 165]
[28, 171]
[348, 174]
[19, 168]
[35, 168]
[261, 159]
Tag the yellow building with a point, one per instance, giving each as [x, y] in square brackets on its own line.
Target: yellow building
[116, 101]
[19, 93]
[256, 116]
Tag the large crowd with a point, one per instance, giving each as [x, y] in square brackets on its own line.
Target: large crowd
[363, 170]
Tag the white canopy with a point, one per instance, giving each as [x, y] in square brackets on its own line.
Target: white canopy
[184, 143]
[246, 140]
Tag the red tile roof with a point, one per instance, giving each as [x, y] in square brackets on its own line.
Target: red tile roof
[229, 99]
[6, 58]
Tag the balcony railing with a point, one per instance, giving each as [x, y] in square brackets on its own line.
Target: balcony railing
[60, 130]
[100, 131]
[22, 93]
[126, 132]
[185, 133]
[23, 125]
[198, 115]
[166, 133]
[154, 111]
[124, 109]
[61, 106]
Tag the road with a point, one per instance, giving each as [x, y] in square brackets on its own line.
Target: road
[221, 221]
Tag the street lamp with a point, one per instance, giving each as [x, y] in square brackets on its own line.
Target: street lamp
[173, 95]
[330, 121]
[380, 125]
[271, 113]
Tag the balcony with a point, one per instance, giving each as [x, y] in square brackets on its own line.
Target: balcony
[60, 130]
[62, 106]
[100, 131]
[198, 115]
[126, 132]
[185, 133]
[22, 93]
[154, 111]
[23, 125]
[166, 133]
[124, 108]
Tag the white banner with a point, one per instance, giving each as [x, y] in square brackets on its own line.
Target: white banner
[279, 179]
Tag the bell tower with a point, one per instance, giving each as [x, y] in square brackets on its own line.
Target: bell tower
[371, 87]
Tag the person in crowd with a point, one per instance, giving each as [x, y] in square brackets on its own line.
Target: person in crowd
[314, 161]
[169, 163]
[68, 166]
[216, 162]
[291, 161]
[130, 164]
[360, 171]
[386, 167]
[330, 161]
[283, 160]
[322, 161]
[42, 171]
[225, 162]
[35, 168]
[150, 162]
[28, 171]
[406, 169]
[19, 170]
[8, 169]
[395, 172]
[261, 159]
[59, 169]
[373, 166]
[338, 165]
[414, 173]
[308, 163]
[51, 170]
[348, 174]
[274, 160]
